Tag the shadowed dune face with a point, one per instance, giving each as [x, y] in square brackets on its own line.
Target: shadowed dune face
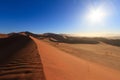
[19, 59]
[11, 45]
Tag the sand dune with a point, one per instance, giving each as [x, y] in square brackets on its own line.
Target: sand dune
[59, 65]
[27, 58]
[19, 59]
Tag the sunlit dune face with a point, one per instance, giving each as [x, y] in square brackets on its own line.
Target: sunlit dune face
[96, 16]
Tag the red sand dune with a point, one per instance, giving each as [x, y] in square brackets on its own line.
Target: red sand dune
[59, 65]
[19, 59]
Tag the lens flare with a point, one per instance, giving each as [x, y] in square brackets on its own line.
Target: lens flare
[96, 16]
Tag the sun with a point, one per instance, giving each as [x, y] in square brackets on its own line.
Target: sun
[96, 15]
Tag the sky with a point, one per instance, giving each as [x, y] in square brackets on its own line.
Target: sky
[60, 16]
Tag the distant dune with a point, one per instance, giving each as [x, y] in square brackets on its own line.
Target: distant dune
[80, 40]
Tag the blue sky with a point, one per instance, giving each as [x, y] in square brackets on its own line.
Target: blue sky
[59, 16]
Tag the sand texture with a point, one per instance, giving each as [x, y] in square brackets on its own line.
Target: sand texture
[19, 59]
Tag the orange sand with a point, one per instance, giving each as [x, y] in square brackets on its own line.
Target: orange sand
[59, 65]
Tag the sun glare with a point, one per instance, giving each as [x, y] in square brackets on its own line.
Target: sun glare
[96, 16]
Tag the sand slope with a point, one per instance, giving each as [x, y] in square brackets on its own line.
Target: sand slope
[19, 59]
[101, 53]
[59, 65]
